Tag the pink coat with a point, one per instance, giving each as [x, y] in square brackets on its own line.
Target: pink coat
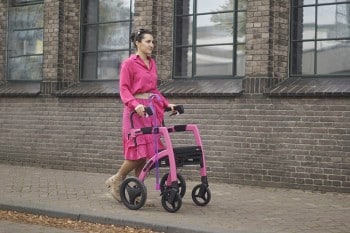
[136, 78]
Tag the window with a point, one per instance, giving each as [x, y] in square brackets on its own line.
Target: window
[25, 40]
[320, 37]
[106, 27]
[209, 38]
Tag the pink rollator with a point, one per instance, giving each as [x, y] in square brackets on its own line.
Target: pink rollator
[133, 192]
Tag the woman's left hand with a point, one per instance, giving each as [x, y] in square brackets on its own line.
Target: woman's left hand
[173, 111]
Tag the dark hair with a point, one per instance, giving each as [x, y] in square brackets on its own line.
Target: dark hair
[139, 35]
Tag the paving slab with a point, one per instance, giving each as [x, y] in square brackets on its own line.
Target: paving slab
[233, 208]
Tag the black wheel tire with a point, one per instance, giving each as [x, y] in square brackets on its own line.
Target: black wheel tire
[171, 205]
[201, 195]
[181, 184]
[133, 193]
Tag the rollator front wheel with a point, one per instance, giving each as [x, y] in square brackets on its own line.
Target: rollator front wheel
[133, 193]
[171, 201]
[180, 181]
[201, 195]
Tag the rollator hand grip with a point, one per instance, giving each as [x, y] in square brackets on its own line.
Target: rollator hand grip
[148, 111]
[178, 108]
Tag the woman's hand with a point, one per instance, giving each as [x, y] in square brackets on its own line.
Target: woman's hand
[173, 111]
[171, 106]
[140, 110]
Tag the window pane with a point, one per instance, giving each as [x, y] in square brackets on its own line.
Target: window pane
[26, 17]
[25, 68]
[90, 38]
[215, 29]
[26, 42]
[184, 7]
[25, 39]
[183, 62]
[241, 27]
[240, 63]
[335, 51]
[114, 10]
[303, 58]
[91, 11]
[304, 25]
[307, 2]
[331, 1]
[105, 37]
[242, 5]
[183, 30]
[214, 60]
[214, 38]
[333, 21]
[89, 66]
[114, 36]
[109, 64]
[205, 6]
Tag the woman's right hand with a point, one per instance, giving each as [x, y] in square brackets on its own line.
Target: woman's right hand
[140, 110]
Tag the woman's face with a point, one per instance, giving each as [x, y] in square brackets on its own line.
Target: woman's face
[146, 45]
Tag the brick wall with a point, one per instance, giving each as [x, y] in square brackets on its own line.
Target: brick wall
[253, 140]
[74, 134]
[267, 30]
[61, 40]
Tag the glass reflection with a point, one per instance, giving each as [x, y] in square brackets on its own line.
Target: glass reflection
[114, 10]
[25, 68]
[214, 60]
[184, 7]
[183, 62]
[183, 30]
[109, 64]
[26, 42]
[333, 21]
[89, 66]
[303, 60]
[205, 6]
[114, 36]
[215, 29]
[26, 24]
[309, 21]
[25, 17]
[90, 38]
[335, 51]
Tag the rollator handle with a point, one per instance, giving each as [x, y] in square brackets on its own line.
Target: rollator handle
[148, 111]
[178, 108]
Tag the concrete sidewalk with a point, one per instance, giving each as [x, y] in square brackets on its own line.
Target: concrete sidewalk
[233, 208]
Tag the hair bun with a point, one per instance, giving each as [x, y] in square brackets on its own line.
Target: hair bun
[132, 36]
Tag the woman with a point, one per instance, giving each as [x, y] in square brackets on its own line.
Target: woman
[138, 88]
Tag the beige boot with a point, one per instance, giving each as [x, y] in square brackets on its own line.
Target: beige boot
[113, 183]
[109, 181]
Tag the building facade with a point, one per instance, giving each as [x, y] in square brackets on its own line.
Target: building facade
[267, 82]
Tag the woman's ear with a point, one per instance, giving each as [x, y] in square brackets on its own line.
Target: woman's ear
[137, 44]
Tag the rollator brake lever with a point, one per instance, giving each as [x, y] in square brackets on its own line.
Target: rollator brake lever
[148, 111]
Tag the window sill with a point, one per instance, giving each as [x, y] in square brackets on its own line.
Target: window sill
[311, 87]
[175, 88]
[200, 88]
[91, 89]
[20, 89]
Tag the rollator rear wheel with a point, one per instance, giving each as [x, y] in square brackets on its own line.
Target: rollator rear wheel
[133, 193]
[201, 195]
[180, 181]
[171, 200]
